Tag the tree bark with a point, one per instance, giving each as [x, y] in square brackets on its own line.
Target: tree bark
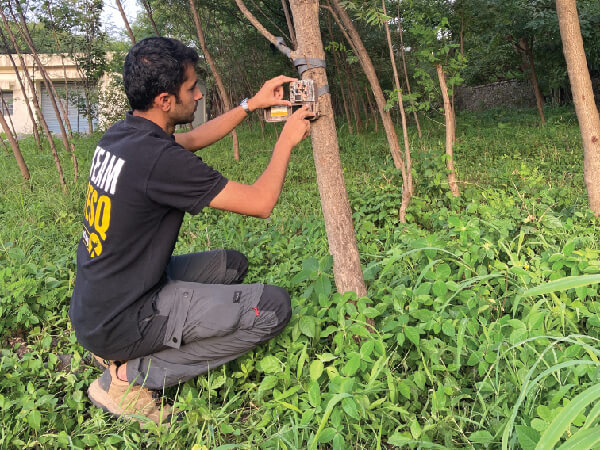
[583, 97]
[524, 49]
[15, 148]
[150, 16]
[52, 95]
[288, 19]
[36, 104]
[330, 177]
[368, 68]
[448, 115]
[403, 56]
[407, 157]
[213, 68]
[126, 22]
[35, 131]
[372, 109]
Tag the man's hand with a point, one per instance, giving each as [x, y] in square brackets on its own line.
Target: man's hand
[296, 128]
[271, 94]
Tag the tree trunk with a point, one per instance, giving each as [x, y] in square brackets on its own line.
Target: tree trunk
[448, 114]
[526, 51]
[126, 22]
[367, 65]
[288, 19]
[372, 109]
[213, 68]
[412, 103]
[35, 131]
[150, 16]
[330, 178]
[583, 97]
[353, 101]
[36, 104]
[15, 148]
[407, 157]
[52, 95]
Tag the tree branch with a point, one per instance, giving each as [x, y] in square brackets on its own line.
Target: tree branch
[270, 37]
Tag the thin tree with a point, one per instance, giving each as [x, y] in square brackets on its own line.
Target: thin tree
[35, 131]
[450, 127]
[215, 73]
[524, 47]
[330, 177]
[34, 98]
[13, 143]
[403, 56]
[47, 83]
[388, 125]
[407, 157]
[125, 21]
[583, 97]
[148, 8]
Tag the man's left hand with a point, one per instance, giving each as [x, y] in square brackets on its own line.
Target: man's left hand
[271, 94]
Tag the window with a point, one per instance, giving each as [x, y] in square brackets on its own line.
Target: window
[6, 105]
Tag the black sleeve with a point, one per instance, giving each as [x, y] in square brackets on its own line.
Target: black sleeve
[182, 180]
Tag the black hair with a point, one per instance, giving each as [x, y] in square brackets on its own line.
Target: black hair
[155, 65]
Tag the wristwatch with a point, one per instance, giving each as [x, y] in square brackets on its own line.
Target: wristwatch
[244, 105]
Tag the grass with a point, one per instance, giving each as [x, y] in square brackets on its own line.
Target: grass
[466, 352]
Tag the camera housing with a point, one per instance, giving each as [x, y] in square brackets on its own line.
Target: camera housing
[302, 92]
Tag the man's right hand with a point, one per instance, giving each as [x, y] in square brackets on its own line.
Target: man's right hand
[296, 128]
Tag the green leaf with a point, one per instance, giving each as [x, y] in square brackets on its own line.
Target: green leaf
[327, 435]
[314, 394]
[583, 439]
[371, 312]
[268, 383]
[481, 437]
[562, 284]
[562, 421]
[34, 418]
[307, 326]
[352, 365]
[316, 369]
[528, 437]
[270, 364]
[448, 328]
[412, 334]
[330, 405]
[323, 285]
[349, 407]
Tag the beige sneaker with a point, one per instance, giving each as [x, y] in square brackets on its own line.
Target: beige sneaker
[122, 399]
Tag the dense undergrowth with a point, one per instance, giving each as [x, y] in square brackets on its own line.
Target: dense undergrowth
[462, 355]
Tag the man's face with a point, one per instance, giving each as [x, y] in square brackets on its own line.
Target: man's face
[184, 108]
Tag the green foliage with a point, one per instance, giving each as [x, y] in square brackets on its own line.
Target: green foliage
[486, 325]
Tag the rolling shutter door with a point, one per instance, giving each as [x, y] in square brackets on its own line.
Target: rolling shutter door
[79, 123]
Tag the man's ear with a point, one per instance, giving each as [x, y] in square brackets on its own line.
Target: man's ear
[163, 101]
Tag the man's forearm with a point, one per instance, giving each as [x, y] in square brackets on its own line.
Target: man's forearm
[211, 131]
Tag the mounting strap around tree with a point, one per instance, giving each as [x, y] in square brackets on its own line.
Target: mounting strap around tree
[323, 90]
[304, 64]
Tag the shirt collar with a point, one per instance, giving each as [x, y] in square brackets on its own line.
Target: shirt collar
[144, 124]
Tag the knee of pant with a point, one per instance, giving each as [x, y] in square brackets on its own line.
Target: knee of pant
[276, 299]
[237, 261]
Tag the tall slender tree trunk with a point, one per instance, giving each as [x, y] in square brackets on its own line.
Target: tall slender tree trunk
[288, 19]
[213, 68]
[125, 21]
[36, 104]
[150, 16]
[15, 148]
[52, 95]
[330, 177]
[369, 69]
[372, 109]
[583, 97]
[407, 157]
[336, 62]
[35, 131]
[448, 115]
[525, 50]
[403, 56]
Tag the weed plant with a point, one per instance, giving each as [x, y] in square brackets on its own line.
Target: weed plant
[465, 352]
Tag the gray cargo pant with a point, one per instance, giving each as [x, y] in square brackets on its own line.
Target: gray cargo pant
[202, 318]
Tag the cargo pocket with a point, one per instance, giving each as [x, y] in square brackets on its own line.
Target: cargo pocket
[214, 318]
[177, 317]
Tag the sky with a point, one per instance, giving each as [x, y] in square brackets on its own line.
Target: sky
[111, 18]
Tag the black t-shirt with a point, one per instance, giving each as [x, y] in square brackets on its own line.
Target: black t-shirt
[141, 184]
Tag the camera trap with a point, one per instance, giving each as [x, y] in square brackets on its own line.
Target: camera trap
[302, 92]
